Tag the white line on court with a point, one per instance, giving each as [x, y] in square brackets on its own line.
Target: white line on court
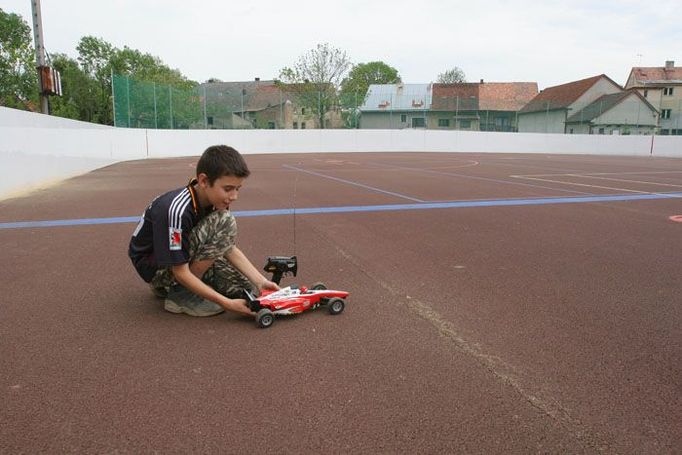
[591, 176]
[582, 184]
[349, 182]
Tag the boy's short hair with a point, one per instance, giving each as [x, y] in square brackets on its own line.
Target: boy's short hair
[220, 160]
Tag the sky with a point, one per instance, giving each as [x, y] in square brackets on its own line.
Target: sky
[548, 42]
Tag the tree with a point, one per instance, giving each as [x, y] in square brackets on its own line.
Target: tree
[18, 76]
[99, 59]
[452, 76]
[316, 77]
[354, 87]
[95, 55]
[78, 88]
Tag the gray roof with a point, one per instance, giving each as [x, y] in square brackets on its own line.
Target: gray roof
[397, 97]
[231, 95]
[603, 104]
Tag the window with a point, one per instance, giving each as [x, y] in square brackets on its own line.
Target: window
[295, 125]
[444, 122]
[665, 113]
[668, 91]
[418, 122]
[271, 125]
[571, 132]
[302, 111]
[465, 124]
[403, 118]
[302, 125]
[601, 130]
[209, 120]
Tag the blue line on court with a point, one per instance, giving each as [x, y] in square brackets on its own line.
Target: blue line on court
[350, 182]
[368, 208]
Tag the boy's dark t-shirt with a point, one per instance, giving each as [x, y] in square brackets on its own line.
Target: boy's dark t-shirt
[161, 239]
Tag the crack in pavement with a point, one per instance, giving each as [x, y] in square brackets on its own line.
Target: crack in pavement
[502, 370]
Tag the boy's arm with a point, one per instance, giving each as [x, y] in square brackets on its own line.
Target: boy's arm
[242, 263]
[186, 278]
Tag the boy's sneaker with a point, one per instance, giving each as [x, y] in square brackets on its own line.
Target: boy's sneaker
[181, 300]
[159, 291]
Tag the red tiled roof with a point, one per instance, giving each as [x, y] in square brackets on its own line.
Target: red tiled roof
[562, 96]
[492, 96]
[451, 97]
[265, 96]
[656, 74]
[506, 96]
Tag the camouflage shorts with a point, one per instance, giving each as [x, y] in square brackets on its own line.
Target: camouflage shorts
[212, 238]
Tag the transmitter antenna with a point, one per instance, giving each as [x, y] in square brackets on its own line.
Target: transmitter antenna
[293, 203]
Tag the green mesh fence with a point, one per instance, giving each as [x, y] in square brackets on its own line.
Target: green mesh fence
[232, 105]
[150, 105]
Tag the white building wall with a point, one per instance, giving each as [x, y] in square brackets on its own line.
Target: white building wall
[542, 122]
[602, 87]
[33, 155]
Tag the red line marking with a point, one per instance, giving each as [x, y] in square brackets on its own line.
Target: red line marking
[677, 218]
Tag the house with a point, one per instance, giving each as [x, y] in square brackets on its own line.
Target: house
[262, 104]
[548, 111]
[626, 112]
[308, 99]
[484, 106]
[662, 87]
[455, 106]
[395, 106]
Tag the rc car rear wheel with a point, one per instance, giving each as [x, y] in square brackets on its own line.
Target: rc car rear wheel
[318, 286]
[336, 305]
[265, 318]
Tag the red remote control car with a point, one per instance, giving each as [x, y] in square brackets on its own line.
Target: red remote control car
[292, 299]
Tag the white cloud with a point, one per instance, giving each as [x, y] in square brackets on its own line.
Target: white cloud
[550, 42]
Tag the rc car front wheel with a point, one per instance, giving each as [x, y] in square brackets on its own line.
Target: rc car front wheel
[265, 318]
[336, 305]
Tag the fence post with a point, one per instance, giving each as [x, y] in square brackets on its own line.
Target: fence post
[128, 97]
[170, 104]
[156, 121]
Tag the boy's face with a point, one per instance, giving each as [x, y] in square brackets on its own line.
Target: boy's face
[223, 192]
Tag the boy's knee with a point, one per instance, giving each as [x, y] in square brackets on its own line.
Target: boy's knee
[213, 236]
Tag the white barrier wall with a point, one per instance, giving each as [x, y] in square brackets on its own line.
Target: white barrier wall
[36, 149]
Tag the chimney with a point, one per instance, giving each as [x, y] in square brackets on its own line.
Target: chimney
[258, 79]
[482, 81]
[669, 64]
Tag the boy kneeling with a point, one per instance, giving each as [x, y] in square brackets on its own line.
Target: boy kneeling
[185, 243]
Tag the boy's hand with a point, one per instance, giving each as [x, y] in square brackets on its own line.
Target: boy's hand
[268, 286]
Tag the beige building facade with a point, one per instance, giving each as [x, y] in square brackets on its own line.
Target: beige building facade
[662, 87]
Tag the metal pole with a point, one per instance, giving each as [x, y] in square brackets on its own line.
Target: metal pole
[113, 97]
[205, 115]
[128, 97]
[156, 116]
[170, 104]
[40, 51]
[390, 112]
[457, 113]
[281, 110]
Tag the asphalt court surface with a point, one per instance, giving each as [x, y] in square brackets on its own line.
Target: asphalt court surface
[499, 304]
